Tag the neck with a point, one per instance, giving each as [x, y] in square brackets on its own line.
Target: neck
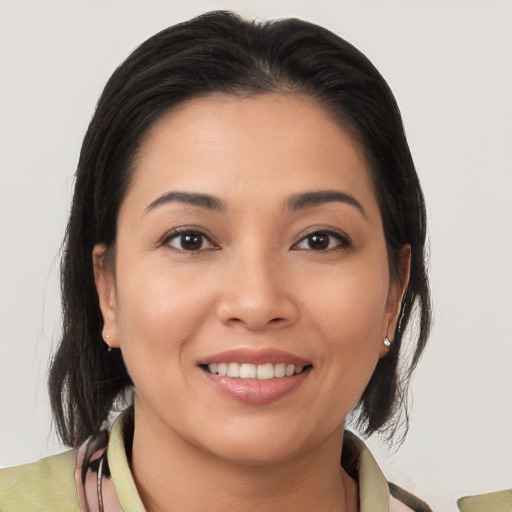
[171, 474]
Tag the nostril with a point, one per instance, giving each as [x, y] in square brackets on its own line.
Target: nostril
[256, 314]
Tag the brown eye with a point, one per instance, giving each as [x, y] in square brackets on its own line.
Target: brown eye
[190, 241]
[318, 241]
[322, 241]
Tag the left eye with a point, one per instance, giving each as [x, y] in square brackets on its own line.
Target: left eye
[321, 241]
[190, 241]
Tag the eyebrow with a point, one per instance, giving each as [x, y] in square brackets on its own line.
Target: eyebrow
[201, 200]
[310, 199]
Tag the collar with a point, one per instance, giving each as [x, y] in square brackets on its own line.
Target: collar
[105, 482]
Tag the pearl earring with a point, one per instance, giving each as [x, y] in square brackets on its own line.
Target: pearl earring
[387, 342]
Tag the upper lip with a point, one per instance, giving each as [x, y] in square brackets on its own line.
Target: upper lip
[253, 356]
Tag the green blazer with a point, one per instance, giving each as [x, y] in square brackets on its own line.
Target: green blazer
[69, 482]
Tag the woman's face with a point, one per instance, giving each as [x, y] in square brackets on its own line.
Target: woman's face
[249, 242]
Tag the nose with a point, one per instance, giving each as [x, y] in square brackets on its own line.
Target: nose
[257, 295]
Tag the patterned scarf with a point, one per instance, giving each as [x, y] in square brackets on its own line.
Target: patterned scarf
[96, 490]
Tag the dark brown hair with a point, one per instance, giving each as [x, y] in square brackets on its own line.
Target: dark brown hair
[219, 52]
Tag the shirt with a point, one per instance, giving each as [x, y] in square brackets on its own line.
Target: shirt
[97, 478]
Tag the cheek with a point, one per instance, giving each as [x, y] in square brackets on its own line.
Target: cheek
[350, 316]
[159, 315]
[351, 305]
[158, 311]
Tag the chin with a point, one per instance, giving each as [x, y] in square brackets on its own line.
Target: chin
[263, 442]
[255, 454]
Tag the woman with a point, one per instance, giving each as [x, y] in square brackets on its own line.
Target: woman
[245, 251]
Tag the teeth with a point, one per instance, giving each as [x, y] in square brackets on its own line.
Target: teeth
[248, 371]
[251, 371]
[265, 372]
[280, 370]
[233, 370]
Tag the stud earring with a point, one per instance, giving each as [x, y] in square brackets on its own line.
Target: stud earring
[387, 342]
[107, 337]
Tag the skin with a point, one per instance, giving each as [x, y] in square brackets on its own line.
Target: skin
[255, 282]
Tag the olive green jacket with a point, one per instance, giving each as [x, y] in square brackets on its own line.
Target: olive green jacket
[52, 484]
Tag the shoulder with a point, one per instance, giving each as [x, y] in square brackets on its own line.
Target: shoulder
[375, 492]
[48, 484]
[500, 501]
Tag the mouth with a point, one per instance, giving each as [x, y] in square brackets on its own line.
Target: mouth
[266, 371]
[255, 377]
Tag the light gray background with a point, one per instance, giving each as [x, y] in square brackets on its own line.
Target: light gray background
[450, 66]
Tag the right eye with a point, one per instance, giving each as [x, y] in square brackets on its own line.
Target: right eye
[190, 241]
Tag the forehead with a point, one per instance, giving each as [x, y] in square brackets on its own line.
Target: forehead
[224, 144]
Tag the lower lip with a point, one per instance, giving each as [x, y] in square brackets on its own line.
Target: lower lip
[257, 392]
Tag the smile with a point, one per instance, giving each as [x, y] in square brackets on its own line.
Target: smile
[265, 371]
[255, 377]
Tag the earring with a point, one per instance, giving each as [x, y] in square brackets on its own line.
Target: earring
[107, 337]
[387, 342]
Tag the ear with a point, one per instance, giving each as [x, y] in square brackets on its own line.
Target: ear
[105, 286]
[397, 288]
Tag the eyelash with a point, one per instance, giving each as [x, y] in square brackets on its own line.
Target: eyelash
[177, 233]
[343, 241]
